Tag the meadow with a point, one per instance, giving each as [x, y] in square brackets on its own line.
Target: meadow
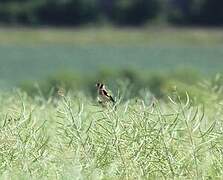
[69, 135]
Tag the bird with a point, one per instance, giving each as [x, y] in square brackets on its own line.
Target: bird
[103, 95]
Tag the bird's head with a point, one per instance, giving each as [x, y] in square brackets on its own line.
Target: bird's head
[99, 85]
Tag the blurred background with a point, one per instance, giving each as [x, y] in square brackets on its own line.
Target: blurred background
[155, 45]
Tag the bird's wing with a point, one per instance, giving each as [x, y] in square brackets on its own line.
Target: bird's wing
[104, 92]
[108, 95]
[111, 98]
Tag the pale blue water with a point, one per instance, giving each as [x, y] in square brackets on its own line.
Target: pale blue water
[18, 63]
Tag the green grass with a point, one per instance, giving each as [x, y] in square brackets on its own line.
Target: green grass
[109, 35]
[72, 136]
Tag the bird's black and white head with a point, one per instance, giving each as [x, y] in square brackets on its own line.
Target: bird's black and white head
[100, 85]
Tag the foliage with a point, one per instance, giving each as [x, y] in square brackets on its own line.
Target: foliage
[211, 13]
[184, 12]
[159, 84]
[75, 12]
[51, 12]
[196, 12]
[117, 12]
[72, 136]
[71, 12]
[133, 12]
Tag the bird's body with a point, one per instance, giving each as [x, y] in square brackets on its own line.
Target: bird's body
[103, 95]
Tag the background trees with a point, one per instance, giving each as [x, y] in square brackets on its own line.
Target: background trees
[117, 12]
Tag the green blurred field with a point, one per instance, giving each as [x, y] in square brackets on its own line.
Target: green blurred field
[73, 137]
[46, 136]
[37, 53]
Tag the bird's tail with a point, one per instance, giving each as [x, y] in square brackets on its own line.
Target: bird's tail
[111, 98]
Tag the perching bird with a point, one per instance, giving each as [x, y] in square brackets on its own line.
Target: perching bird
[103, 95]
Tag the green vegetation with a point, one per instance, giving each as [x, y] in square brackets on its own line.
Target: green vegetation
[168, 122]
[72, 136]
[193, 12]
[159, 35]
[132, 12]
[151, 58]
[76, 12]
[116, 12]
[159, 84]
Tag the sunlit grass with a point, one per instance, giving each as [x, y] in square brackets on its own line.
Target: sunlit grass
[109, 35]
[71, 136]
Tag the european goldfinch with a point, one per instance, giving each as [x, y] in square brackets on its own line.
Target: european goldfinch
[103, 95]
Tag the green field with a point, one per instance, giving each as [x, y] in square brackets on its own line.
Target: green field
[37, 53]
[73, 137]
[175, 136]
